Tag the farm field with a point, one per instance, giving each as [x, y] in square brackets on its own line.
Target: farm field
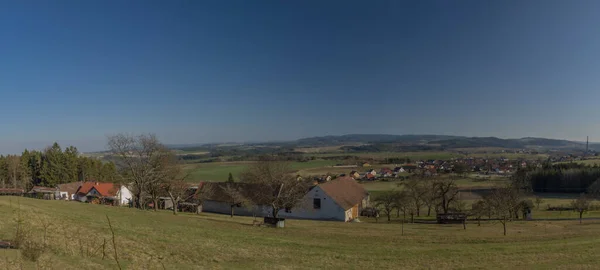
[219, 171]
[159, 240]
[590, 162]
[412, 155]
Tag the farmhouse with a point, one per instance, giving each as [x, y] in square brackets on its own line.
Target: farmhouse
[67, 191]
[45, 193]
[341, 199]
[354, 174]
[106, 192]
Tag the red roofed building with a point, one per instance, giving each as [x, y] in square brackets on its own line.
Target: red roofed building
[89, 191]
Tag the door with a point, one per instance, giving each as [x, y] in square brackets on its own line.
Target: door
[355, 211]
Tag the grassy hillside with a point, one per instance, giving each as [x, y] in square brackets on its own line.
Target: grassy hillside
[146, 239]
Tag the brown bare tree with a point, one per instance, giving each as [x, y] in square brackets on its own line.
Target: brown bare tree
[503, 202]
[140, 159]
[538, 201]
[203, 192]
[280, 189]
[479, 209]
[581, 205]
[416, 190]
[429, 198]
[445, 192]
[386, 202]
[234, 194]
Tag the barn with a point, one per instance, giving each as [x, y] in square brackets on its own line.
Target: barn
[341, 199]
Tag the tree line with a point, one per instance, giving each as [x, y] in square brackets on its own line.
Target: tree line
[559, 178]
[52, 166]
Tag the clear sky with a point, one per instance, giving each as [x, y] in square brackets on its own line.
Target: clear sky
[213, 71]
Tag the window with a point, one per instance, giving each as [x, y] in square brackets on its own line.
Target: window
[317, 203]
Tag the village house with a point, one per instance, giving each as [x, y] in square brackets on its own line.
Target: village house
[97, 192]
[45, 193]
[341, 199]
[399, 170]
[67, 191]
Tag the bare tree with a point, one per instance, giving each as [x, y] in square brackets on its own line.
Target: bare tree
[446, 192]
[387, 202]
[234, 195]
[416, 190]
[178, 191]
[581, 205]
[538, 201]
[503, 202]
[204, 191]
[155, 190]
[279, 188]
[173, 180]
[139, 158]
[479, 209]
[429, 198]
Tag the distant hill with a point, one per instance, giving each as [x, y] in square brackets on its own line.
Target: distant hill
[370, 138]
[387, 142]
[507, 143]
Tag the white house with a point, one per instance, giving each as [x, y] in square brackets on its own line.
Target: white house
[341, 199]
[89, 191]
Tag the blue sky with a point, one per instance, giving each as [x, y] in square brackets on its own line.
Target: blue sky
[208, 71]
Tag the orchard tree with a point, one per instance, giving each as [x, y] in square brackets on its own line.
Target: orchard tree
[279, 188]
[581, 205]
[142, 162]
[386, 202]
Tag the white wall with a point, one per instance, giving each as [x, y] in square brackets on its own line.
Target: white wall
[223, 208]
[124, 195]
[329, 210]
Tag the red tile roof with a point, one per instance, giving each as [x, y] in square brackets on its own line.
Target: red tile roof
[105, 189]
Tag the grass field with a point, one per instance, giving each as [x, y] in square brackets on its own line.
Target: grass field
[412, 155]
[149, 240]
[219, 171]
[590, 162]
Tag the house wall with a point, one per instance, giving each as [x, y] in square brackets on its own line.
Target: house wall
[60, 194]
[329, 209]
[124, 195]
[224, 208]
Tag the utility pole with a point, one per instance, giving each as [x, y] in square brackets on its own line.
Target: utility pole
[587, 145]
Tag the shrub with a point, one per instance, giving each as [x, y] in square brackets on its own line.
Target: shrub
[31, 250]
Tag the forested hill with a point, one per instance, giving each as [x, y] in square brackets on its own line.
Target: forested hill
[443, 141]
[403, 142]
[370, 138]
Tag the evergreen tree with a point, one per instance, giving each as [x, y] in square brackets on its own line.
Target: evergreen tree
[53, 171]
[3, 172]
[230, 179]
[70, 162]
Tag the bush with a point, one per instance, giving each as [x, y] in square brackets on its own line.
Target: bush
[31, 250]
